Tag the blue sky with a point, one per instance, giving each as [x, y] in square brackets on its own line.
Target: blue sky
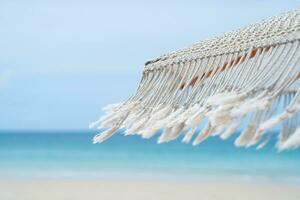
[61, 61]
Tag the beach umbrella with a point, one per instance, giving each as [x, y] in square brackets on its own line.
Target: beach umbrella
[248, 79]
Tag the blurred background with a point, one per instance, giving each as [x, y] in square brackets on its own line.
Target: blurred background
[62, 60]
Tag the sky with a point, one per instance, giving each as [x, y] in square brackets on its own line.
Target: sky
[62, 60]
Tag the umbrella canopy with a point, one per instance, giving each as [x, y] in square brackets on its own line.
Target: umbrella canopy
[247, 78]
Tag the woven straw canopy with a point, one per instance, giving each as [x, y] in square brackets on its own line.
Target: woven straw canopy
[247, 78]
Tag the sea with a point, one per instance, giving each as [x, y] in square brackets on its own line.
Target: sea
[71, 155]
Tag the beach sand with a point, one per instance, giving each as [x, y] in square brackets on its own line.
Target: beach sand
[142, 190]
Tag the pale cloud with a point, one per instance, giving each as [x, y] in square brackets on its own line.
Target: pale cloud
[5, 78]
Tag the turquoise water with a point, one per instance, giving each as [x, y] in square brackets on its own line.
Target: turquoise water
[61, 154]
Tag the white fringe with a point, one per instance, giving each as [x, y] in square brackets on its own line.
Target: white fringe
[292, 142]
[180, 90]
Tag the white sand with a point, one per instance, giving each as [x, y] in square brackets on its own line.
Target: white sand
[142, 190]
